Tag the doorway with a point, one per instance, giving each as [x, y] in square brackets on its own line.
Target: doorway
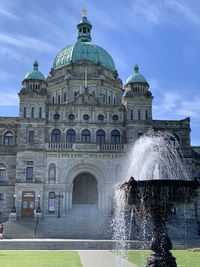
[85, 189]
[28, 204]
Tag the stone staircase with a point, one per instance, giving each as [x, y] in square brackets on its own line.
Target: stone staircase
[82, 222]
[22, 228]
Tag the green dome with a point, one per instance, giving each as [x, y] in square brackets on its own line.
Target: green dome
[136, 77]
[35, 74]
[84, 51]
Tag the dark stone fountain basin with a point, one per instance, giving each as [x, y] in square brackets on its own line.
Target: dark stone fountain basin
[156, 198]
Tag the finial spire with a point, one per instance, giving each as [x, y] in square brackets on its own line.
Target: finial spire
[35, 65]
[136, 68]
[84, 12]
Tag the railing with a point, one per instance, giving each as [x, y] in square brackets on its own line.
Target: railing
[86, 146]
[111, 146]
[61, 146]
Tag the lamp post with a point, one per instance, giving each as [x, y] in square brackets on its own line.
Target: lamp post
[13, 208]
[38, 210]
[59, 196]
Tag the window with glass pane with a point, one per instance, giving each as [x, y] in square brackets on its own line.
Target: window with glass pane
[2, 173]
[115, 117]
[131, 114]
[100, 117]
[85, 136]
[40, 113]
[139, 117]
[29, 173]
[86, 117]
[52, 201]
[8, 139]
[71, 117]
[55, 135]
[71, 136]
[31, 136]
[100, 137]
[115, 137]
[146, 114]
[24, 112]
[32, 113]
[1, 202]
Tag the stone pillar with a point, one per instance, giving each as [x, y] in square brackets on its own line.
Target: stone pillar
[68, 199]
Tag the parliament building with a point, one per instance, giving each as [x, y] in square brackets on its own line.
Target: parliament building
[67, 149]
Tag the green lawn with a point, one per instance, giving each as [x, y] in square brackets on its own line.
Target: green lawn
[39, 258]
[183, 258]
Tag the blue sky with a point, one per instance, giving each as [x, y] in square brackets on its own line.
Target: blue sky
[161, 36]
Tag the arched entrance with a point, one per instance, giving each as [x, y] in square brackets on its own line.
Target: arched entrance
[85, 189]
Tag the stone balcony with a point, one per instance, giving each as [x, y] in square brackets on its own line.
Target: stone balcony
[93, 147]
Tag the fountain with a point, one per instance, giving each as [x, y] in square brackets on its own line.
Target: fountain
[162, 184]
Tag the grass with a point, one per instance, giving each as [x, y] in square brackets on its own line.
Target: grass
[38, 258]
[184, 258]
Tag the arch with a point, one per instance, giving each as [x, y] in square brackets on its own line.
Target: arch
[85, 189]
[96, 168]
[56, 135]
[100, 136]
[8, 139]
[115, 136]
[85, 136]
[2, 172]
[71, 136]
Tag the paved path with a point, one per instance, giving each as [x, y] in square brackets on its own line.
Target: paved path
[102, 258]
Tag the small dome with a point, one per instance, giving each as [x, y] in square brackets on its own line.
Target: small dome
[136, 77]
[84, 51]
[35, 74]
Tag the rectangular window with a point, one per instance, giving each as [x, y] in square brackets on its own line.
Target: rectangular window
[139, 114]
[30, 163]
[52, 196]
[131, 115]
[31, 136]
[146, 114]
[1, 202]
[32, 113]
[40, 113]
[24, 112]
[29, 173]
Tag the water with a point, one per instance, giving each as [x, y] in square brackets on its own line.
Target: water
[119, 225]
[153, 157]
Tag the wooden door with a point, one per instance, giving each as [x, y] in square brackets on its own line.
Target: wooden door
[28, 204]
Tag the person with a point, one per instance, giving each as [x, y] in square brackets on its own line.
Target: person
[1, 231]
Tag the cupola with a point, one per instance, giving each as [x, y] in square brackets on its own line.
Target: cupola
[136, 83]
[34, 81]
[84, 28]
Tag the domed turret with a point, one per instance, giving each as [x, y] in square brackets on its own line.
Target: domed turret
[136, 77]
[35, 74]
[34, 81]
[84, 49]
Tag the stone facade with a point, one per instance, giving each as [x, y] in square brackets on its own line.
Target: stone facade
[75, 130]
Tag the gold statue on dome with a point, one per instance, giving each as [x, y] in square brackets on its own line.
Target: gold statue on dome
[84, 12]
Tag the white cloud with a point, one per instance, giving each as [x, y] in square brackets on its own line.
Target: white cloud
[184, 11]
[23, 41]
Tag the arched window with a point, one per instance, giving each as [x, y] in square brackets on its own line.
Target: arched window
[59, 99]
[55, 135]
[115, 137]
[2, 172]
[85, 136]
[65, 97]
[100, 136]
[53, 100]
[8, 139]
[71, 136]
